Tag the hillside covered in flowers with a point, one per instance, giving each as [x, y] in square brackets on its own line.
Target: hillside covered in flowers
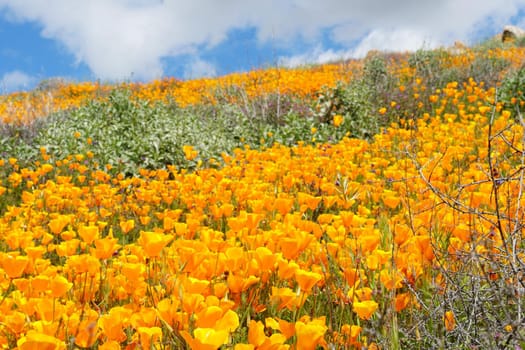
[372, 204]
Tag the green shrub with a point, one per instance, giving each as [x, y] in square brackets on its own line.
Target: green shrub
[352, 102]
[131, 134]
[511, 92]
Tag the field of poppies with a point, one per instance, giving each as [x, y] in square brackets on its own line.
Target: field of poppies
[372, 204]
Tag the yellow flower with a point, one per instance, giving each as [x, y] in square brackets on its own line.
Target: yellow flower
[256, 335]
[38, 341]
[149, 336]
[127, 225]
[59, 286]
[364, 309]
[450, 321]
[57, 224]
[338, 120]
[14, 266]
[153, 242]
[310, 334]
[88, 233]
[307, 279]
[206, 338]
[189, 152]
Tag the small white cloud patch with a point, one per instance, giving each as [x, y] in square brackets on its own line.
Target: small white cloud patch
[199, 69]
[16, 81]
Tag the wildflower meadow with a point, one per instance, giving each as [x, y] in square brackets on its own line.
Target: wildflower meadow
[368, 204]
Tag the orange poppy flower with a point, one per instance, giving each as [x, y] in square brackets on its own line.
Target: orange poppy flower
[68, 248]
[206, 338]
[291, 247]
[48, 310]
[23, 285]
[113, 323]
[59, 286]
[239, 284]
[189, 152]
[88, 233]
[168, 223]
[220, 289]
[153, 242]
[39, 283]
[401, 234]
[391, 279]
[309, 201]
[110, 345]
[149, 336]
[244, 347]
[35, 252]
[145, 317]
[86, 334]
[235, 258]
[192, 303]
[462, 231]
[105, 247]
[286, 269]
[229, 321]
[265, 258]
[38, 341]
[338, 120]
[310, 334]
[449, 320]
[363, 294]
[401, 301]
[372, 262]
[390, 199]
[364, 309]
[132, 271]
[14, 266]
[196, 286]
[369, 241]
[207, 317]
[126, 226]
[286, 298]
[16, 321]
[256, 335]
[283, 205]
[352, 332]
[286, 328]
[167, 309]
[307, 279]
[58, 224]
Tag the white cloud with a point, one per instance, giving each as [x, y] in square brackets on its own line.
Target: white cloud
[119, 39]
[317, 55]
[199, 69]
[16, 80]
[398, 40]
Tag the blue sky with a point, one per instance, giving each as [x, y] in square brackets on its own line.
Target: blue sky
[122, 40]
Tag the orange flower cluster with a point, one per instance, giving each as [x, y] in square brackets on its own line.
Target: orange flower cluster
[174, 257]
[301, 82]
[247, 255]
[24, 107]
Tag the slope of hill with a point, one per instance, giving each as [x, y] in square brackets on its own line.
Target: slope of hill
[367, 204]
